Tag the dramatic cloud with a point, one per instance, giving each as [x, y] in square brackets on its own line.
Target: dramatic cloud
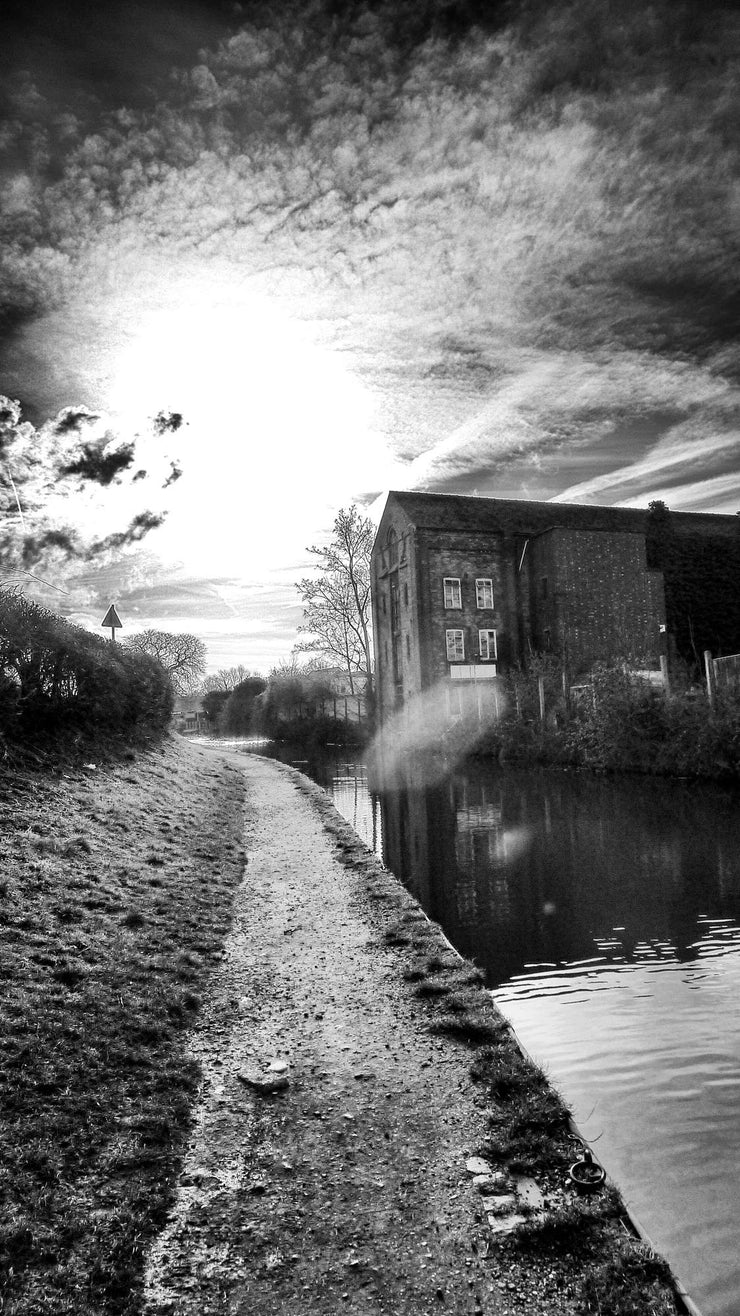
[452, 246]
[62, 488]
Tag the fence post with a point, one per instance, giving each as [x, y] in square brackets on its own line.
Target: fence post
[566, 689]
[664, 673]
[709, 669]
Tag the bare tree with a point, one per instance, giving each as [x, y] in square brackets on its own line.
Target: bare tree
[337, 602]
[182, 656]
[227, 678]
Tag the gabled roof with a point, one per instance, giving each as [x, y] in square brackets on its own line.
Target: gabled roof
[521, 516]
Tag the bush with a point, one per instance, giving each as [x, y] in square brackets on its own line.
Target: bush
[622, 724]
[55, 677]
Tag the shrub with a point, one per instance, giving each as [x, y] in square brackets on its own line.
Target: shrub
[621, 723]
[56, 676]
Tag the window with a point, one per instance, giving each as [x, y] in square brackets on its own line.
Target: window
[487, 646]
[452, 592]
[408, 647]
[484, 593]
[384, 607]
[455, 646]
[544, 587]
[406, 595]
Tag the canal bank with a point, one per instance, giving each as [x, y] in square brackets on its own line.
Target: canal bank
[355, 1073]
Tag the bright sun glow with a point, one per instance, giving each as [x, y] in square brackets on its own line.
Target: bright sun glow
[278, 432]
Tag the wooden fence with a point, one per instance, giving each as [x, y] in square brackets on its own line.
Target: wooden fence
[343, 708]
[726, 672]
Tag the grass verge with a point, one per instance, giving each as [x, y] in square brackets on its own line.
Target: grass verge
[115, 898]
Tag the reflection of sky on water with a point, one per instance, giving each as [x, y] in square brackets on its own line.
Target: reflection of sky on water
[647, 1056]
[717, 937]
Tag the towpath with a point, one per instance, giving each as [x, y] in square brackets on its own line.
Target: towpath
[345, 1188]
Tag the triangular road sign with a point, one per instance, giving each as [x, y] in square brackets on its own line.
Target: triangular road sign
[111, 617]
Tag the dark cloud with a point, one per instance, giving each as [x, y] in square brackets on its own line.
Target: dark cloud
[141, 525]
[72, 419]
[174, 475]
[35, 547]
[97, 462]
[167, 422]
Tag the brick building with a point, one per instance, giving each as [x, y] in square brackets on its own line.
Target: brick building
[464, 588]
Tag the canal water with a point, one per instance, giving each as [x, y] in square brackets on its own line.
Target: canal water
[606, 914]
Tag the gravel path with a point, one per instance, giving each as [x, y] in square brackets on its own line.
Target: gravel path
[345, 1188]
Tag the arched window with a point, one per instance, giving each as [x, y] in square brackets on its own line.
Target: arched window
[391, 540]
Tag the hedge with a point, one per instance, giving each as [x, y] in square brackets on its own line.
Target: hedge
[55, 676]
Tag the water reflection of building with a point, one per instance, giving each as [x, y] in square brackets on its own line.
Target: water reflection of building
[444, 837]
[524, 870]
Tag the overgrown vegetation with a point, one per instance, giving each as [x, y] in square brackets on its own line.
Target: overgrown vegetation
[301, 707]
[616, 722]
[57, 681]
[116, 896]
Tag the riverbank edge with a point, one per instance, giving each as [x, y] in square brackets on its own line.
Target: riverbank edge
[728, 780]
[623, 1265]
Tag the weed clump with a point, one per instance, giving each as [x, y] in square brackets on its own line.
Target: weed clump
[631, 1283]
[475, 1030]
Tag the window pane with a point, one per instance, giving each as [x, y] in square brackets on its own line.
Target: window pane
[487, 645]
[452, 592]
[484, 593]
[455, 646]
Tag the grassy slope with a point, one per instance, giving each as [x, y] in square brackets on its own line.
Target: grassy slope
[116, 886]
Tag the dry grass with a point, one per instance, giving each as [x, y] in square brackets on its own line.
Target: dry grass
[116, 894]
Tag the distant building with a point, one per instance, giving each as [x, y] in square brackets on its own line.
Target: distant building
[465, 588]
[189, 715]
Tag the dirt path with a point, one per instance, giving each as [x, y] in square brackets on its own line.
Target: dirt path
[346, 1188]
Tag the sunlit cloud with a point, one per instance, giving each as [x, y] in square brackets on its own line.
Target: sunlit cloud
[361, 255]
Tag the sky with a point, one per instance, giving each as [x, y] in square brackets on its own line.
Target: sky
[453, 245]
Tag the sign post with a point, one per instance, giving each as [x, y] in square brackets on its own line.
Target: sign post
[113, 620]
